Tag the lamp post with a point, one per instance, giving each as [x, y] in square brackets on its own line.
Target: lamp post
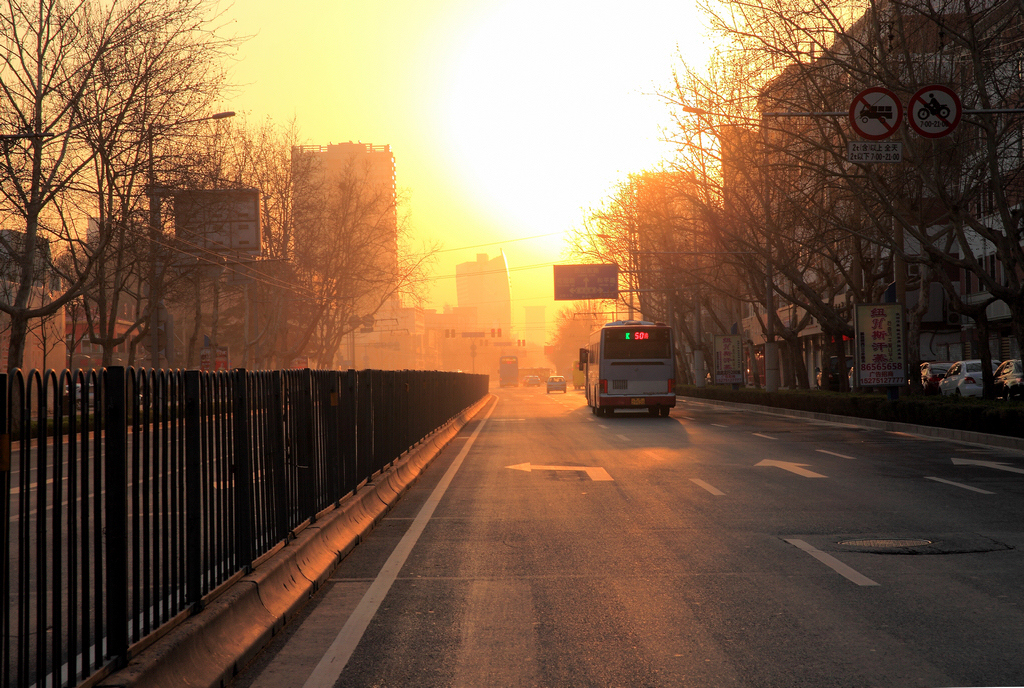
[155, 229]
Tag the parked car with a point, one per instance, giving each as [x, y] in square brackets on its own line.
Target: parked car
[531, 381]
[832, 380]
[556, 383]
[1009, 380]
[963, 379]
[932, 373]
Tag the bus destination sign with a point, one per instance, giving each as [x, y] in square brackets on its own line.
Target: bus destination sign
[579, 282]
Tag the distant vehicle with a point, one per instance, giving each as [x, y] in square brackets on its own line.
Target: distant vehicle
[832, 379]
[557, 383]
[963, 379]
[531, 381]
[932, 373]
[579, 376]
[1009, 380]
[508, 371]
[630, 365]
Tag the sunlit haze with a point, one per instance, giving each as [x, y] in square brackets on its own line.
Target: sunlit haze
[506, 119]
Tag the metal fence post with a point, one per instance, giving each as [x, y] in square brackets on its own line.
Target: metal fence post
[193, 496]
[115, 445]
[347, 430]
[242, 469]
[277, 462]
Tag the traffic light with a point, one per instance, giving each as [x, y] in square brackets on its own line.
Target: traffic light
[499, 331]
[492, 332]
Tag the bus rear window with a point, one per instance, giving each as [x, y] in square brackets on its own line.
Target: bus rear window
[637, 342]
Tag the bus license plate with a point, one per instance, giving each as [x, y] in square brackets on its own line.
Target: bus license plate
[638, 401]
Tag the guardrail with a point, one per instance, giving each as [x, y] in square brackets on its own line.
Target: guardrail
[131, 497]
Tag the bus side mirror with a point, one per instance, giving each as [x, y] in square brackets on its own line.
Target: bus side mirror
[584, 357]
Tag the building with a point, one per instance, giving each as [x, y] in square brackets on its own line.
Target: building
[484, 284]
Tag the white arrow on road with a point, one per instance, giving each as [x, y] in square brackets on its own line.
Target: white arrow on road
[593, 472]
[792, 468]
[989, 464]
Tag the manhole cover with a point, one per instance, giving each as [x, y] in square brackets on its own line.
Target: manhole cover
[886, 543]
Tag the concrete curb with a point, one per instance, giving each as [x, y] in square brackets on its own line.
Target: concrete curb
[208, 649]
[979, 438]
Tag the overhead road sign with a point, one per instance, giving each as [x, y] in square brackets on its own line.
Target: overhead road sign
[876, 113]
[935, 111]
[868, 152]
[578, 282]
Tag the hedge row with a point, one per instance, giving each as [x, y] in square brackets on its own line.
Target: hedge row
[976, 415]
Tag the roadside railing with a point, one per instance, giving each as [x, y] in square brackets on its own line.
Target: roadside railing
[132, 497]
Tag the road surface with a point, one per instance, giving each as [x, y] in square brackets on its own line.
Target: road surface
[717, 547]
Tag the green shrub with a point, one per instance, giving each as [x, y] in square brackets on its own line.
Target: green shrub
[969, 414]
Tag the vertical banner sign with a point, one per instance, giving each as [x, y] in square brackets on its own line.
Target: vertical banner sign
[880, 345]
[728, 359]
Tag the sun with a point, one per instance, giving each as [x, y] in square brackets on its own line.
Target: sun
[548, 103]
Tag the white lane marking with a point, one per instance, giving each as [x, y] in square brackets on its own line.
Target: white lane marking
[999, 466]
[719, 425]
[329, 669]
[833, 563]
[797, 468]
[593, 472]
[623, 437]
[950, 482]
[713, 490]
[832, 453]
[685, 417]
[767, 437]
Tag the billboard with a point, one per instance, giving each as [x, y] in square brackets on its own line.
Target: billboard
[879, 338]
[220, 220]
[579, 282]
[728, 359]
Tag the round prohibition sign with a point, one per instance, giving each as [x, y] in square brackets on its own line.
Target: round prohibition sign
[876, 113]
[934, 111]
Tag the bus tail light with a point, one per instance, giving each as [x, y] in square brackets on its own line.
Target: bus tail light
[604, 386]
[671, 385]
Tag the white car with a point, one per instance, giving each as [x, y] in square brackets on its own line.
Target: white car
[963, 379]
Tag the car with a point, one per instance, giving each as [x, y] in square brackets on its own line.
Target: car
[832, 380]
[556, 383]
[963, 379]
[932, 373]
[1009, 380]
[531, 381]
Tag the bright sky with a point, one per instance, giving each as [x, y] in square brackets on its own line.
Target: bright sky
[507, 118]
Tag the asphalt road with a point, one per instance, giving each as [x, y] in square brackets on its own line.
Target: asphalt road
[705, 549]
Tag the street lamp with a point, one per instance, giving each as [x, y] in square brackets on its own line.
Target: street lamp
[771, 354]
[155, 285]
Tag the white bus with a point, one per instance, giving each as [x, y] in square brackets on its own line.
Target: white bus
[630, 365]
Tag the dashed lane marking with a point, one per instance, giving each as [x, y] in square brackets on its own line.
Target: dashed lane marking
[955, 484]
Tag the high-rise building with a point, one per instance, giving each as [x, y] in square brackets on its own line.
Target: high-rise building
[484, 284]
[335, 169]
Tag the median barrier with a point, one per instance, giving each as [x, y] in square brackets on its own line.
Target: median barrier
[211, 647]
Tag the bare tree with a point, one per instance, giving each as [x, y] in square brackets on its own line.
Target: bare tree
[74, 87]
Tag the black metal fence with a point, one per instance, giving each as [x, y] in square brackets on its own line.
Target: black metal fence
[130, 496]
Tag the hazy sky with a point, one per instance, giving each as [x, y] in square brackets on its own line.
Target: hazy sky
[507, 118]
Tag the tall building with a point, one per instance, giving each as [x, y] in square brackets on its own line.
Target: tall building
[322, 167]
[485, 285]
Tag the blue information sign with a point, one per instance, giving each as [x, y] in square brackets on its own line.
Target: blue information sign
[578, 282]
